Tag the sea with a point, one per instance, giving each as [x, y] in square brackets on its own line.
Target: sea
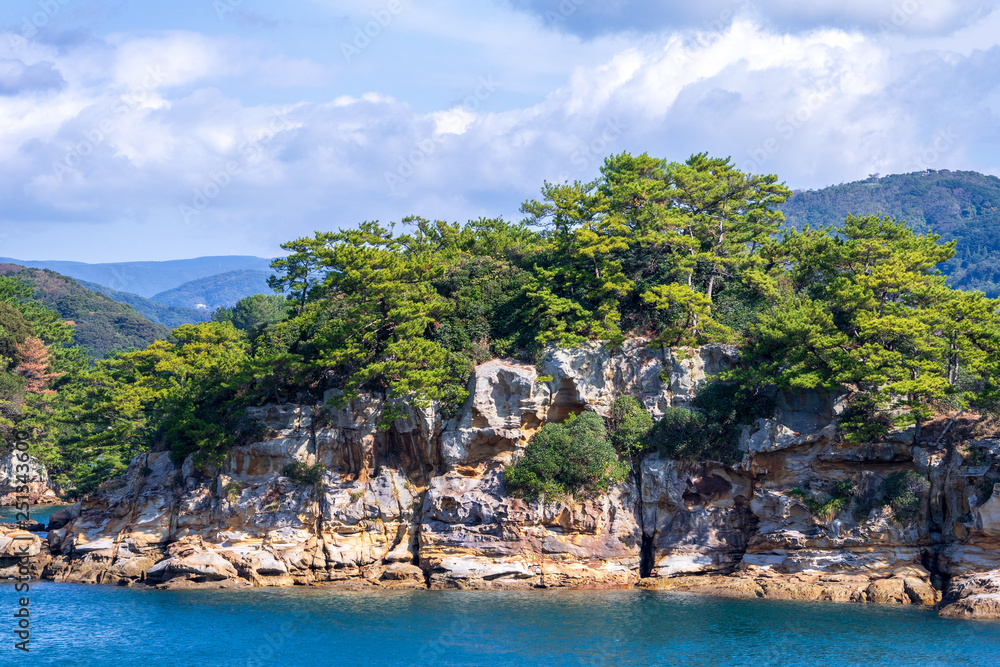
[39, 513]
[80, 625]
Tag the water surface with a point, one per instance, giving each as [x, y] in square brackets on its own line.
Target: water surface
[40, 513]
[97, 625]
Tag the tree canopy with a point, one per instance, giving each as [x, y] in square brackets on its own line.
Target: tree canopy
[682, 253]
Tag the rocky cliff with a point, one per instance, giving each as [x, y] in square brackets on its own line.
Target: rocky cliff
[38, 490]
[422, 504]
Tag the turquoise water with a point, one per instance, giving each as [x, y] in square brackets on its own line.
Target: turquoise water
[95, 625]
[40, 513]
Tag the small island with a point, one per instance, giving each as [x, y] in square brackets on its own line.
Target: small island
[652, 381]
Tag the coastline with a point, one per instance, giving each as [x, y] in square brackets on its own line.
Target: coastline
[423, 505]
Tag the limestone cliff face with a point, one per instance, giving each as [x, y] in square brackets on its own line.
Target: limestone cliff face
[39, 486]
[423, 504]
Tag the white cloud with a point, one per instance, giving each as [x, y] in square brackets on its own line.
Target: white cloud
[595, 17]
[113, 149]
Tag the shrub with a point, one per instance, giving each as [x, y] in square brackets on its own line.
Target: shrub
[630, 425]
[903, 492]
[145, 471]
[712, 429]
[866, 419]
[570, 458]
[232, 491]
[977, 456]
[840, 493]
[680, 433]
[298, 471]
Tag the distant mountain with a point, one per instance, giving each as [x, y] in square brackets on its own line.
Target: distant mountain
[959, 205]
[103, 326]
[169, 316]
[215, 291]
[149, 278]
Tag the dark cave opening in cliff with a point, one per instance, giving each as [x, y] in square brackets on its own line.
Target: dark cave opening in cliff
[646, 556]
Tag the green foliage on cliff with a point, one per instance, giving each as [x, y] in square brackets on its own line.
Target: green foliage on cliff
[865, 308]
[629, 427]
[573, 458]
[189, 395]
[904, 492]
[682, 253]
[651, 244]
[302, 473]
[711, 430]
[827, 506]
[40, 370]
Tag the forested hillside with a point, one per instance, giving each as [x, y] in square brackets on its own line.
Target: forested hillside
[169, 316]
[216, 291]
[683, 254]
[959, 205]
[101, 326]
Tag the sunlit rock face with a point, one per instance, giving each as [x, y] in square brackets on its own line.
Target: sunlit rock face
[19, 485]
[473, 535]
[422, 503]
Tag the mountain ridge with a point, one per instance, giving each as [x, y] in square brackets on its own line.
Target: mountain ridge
[961, 206]
[216, 291]
[169, 316]
[103, 326]
[147, 279]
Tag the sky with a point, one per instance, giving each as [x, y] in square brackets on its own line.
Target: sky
[152, 130]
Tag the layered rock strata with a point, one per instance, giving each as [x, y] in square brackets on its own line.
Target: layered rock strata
[14, 491]
[422, 504]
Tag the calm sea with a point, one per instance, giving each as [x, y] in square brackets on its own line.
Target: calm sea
[94, 625]
[39, 513]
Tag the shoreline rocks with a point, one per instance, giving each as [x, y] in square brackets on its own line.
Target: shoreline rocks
[422, 504]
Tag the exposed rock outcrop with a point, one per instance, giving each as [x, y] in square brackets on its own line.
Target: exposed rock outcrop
[13, 490]
[422, 504]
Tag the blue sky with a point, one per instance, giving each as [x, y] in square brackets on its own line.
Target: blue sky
[144, 131]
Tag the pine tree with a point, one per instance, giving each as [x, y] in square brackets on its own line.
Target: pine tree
[34, 366]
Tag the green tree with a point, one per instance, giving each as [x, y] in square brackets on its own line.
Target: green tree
[873, 314]
[301, 270]
[189, 395]
[381, 286]
[573, 458]
[648, 235]
[253, 312]
[629, 426]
